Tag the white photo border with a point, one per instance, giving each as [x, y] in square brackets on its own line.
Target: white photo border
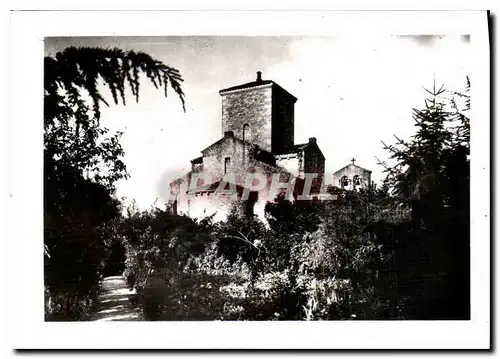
[28, 330]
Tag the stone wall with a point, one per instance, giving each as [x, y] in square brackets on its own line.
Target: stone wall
[203, 203]
[249, 106]
[214, 156]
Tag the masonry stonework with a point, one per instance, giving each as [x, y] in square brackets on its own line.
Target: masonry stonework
[258, 138]
[352, 177]
[250, 107]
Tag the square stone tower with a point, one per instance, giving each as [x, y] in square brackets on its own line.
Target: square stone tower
[260, 112]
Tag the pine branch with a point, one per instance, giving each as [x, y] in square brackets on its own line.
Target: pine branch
[82, 67]
[75, 76]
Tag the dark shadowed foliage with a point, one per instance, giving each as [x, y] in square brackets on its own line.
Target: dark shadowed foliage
[82, 161]
[432, 174]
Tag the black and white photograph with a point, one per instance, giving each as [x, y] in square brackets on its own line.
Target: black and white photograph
[263, 177]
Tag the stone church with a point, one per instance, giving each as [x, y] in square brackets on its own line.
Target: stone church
[257, 138]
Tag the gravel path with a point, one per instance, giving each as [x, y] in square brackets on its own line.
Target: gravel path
[114, 303]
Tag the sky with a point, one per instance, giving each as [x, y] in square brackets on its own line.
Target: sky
[353, 92]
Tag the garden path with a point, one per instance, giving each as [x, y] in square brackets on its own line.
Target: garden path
[114, 302]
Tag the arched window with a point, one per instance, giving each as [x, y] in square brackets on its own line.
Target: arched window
[356, 180]
[344, 182]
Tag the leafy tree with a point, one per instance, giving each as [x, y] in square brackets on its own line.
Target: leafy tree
[160, 246]
[82, 162]
[74, 80]
[76, 211]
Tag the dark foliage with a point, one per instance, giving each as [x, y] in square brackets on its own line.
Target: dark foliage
[75, 213]
[82, 161]
[159, 248]
[432, 261]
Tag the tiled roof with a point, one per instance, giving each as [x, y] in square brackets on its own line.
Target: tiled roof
[197, 160]
[256, 83]
[294, 149]
[258, 153]
[248, 85]
[251, 145]
[264, 156]
[300, 146]
[297, 148]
